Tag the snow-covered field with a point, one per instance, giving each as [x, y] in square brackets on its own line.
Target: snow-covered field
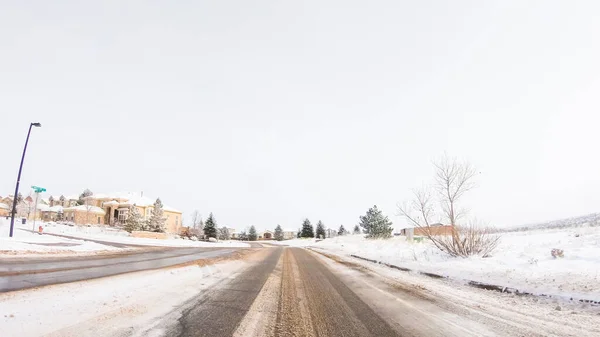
[105, 233]
[522, 260]
[24, 242]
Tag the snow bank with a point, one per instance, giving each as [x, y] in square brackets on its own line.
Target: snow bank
[25, 242]
[111, 306]
[522, 260]
[109, 234]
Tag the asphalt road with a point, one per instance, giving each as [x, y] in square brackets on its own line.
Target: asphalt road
[287, 293]
[22, 274]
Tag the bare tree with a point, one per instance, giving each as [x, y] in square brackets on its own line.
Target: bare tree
[422, 205]
[197, 226]
[452, 180]
[89, 207]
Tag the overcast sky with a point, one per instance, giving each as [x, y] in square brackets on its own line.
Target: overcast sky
[267, 112]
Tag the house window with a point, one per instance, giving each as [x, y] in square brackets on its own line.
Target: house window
[122, 215]
[98, 220]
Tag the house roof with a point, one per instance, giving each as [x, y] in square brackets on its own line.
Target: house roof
[56, 209]
[43, 208]
[84, 208]
[146, 202]
[4, 206]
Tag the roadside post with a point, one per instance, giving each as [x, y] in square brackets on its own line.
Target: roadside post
[37, 191]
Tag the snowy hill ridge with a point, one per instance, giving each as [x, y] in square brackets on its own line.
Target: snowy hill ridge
[588, 220]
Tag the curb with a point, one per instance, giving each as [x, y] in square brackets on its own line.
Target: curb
[476, 284]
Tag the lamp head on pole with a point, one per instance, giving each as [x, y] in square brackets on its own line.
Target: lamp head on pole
[37, 125]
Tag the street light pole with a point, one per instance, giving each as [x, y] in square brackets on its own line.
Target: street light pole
[14, 208]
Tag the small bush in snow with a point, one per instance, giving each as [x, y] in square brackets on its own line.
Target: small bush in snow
[466, 241]
[557, 253]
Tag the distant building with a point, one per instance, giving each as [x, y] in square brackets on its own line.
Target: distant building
[434, 229]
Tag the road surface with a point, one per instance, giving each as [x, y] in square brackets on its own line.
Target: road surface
[296, 292]
[22, 274]
[272, 292]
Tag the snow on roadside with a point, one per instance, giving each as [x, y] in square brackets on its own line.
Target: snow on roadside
[106, 306]
[25, 242]
[105, 233]
[522, 260]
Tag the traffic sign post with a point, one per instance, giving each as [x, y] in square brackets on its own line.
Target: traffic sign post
[37, 191]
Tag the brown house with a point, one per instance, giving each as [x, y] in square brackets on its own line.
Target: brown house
[434, 229]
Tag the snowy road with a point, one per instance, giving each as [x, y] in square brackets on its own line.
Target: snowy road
[284, 291]
[28, 273]
[296, 292]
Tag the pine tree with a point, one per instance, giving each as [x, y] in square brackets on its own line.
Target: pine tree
[252, 234]
[62, 200]
[156, 223]
[83, 195]
[307, 230]
[243, 236]
[51, 201]
[320, 232]
[356, 230]
[278, 233]
[224, 233]
[375, 224]
[210, 227]
[134, 221]
[342, 230]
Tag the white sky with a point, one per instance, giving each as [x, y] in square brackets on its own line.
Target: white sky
[267, 112]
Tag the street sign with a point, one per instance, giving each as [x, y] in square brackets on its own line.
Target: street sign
[38, 189]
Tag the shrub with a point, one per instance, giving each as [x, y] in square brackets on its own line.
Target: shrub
[466, 241]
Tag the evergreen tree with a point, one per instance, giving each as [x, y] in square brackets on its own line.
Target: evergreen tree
[243, 236]
[62, 200]
[83, 195]
[356, 230]
[252, 234]
[375, 224]
[278, 233]
[210, 227]
[156, 223]
[320, 232]
[307, 230]
[51, 201]
[342, 230]
[224, 233]
[134, 221]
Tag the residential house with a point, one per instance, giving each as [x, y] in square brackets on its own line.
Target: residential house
[434, 229]
[265, 235]
[289, 234]
[116, 207]
[61, 200]
[4, 209]
[232, 233]
[85, 214]
[330, 233]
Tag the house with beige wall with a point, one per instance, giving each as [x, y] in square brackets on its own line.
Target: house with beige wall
[4, 209]
[116, 207]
